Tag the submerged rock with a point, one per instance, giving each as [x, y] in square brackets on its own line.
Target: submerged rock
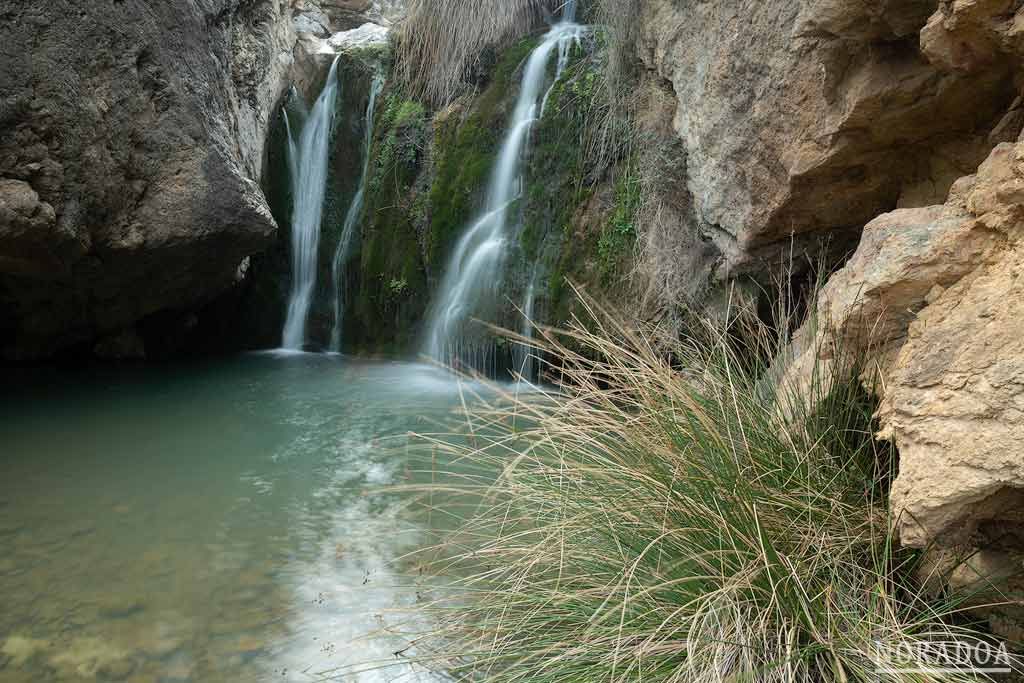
[92, 658]
[19, 650]
[120, 607]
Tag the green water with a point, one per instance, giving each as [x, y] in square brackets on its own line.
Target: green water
[218, 522]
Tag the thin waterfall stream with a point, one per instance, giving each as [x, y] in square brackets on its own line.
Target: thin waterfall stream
[355, 212]
[472, 283]
[308, 162]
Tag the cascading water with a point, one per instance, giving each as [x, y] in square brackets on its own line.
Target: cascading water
[355, 211]
[308, 165]
[472, 282]
[526, 361]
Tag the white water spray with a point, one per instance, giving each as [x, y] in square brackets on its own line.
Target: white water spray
[355, 211]
[308, 161]
[473, 279]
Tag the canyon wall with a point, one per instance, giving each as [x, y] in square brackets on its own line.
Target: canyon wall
[930, 300]
[131, 149]
[877, 138]
[802, 121]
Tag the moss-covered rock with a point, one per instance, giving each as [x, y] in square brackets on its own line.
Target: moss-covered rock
[387, 278]
[467, 141]
[578, 218]
[428, 177]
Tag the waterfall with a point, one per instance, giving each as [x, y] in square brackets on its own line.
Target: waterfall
[308, 164]
[352, 220]
[526, 364]
[472, 281]
[569, 11]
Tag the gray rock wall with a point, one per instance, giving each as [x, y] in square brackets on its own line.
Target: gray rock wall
[131, 147]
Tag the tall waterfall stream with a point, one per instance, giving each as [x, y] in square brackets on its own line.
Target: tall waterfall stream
[472, 284]
[308, 164]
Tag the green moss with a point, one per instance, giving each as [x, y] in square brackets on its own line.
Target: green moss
[403, 124]
[465, 152]
[558, 184]
[615, 246]
[427, 182]
[407, 112]
[390, 292]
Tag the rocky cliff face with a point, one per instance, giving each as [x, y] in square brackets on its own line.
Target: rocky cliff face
[806, 120]
[131, 146]
[932, 295]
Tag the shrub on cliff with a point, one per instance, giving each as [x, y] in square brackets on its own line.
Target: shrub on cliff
[659, 518]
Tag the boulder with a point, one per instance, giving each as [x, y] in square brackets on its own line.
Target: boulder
[132, 141]
[933, 299]
[802, 122]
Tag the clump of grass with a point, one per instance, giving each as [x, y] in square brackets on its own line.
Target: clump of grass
[660, 518]
[442, 40]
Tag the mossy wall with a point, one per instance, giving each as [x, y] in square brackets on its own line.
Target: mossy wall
[578, 216]
[428, 175]
[387, 278]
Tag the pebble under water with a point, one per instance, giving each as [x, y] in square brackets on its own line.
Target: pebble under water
[218, 522]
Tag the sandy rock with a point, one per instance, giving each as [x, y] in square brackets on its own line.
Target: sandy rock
[801, 120]
[931, 295]
[954, 404]
[974, 35]
[935, 296]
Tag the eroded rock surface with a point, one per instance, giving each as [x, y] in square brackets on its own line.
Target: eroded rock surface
[810, 119]
[131, 146]
[954, 397]
[934, 297]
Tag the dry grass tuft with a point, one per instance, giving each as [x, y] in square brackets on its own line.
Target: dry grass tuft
[657, 519]
[441, 41]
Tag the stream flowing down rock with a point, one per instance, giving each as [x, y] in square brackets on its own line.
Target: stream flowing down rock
[132, 143]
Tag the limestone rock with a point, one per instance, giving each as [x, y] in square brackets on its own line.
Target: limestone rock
[935, 296]
[954, 404]
[132, 141]
[930, 293]
[349, 14]
[973, 35]
[310, 19]
[801, 120]
[369, 36]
